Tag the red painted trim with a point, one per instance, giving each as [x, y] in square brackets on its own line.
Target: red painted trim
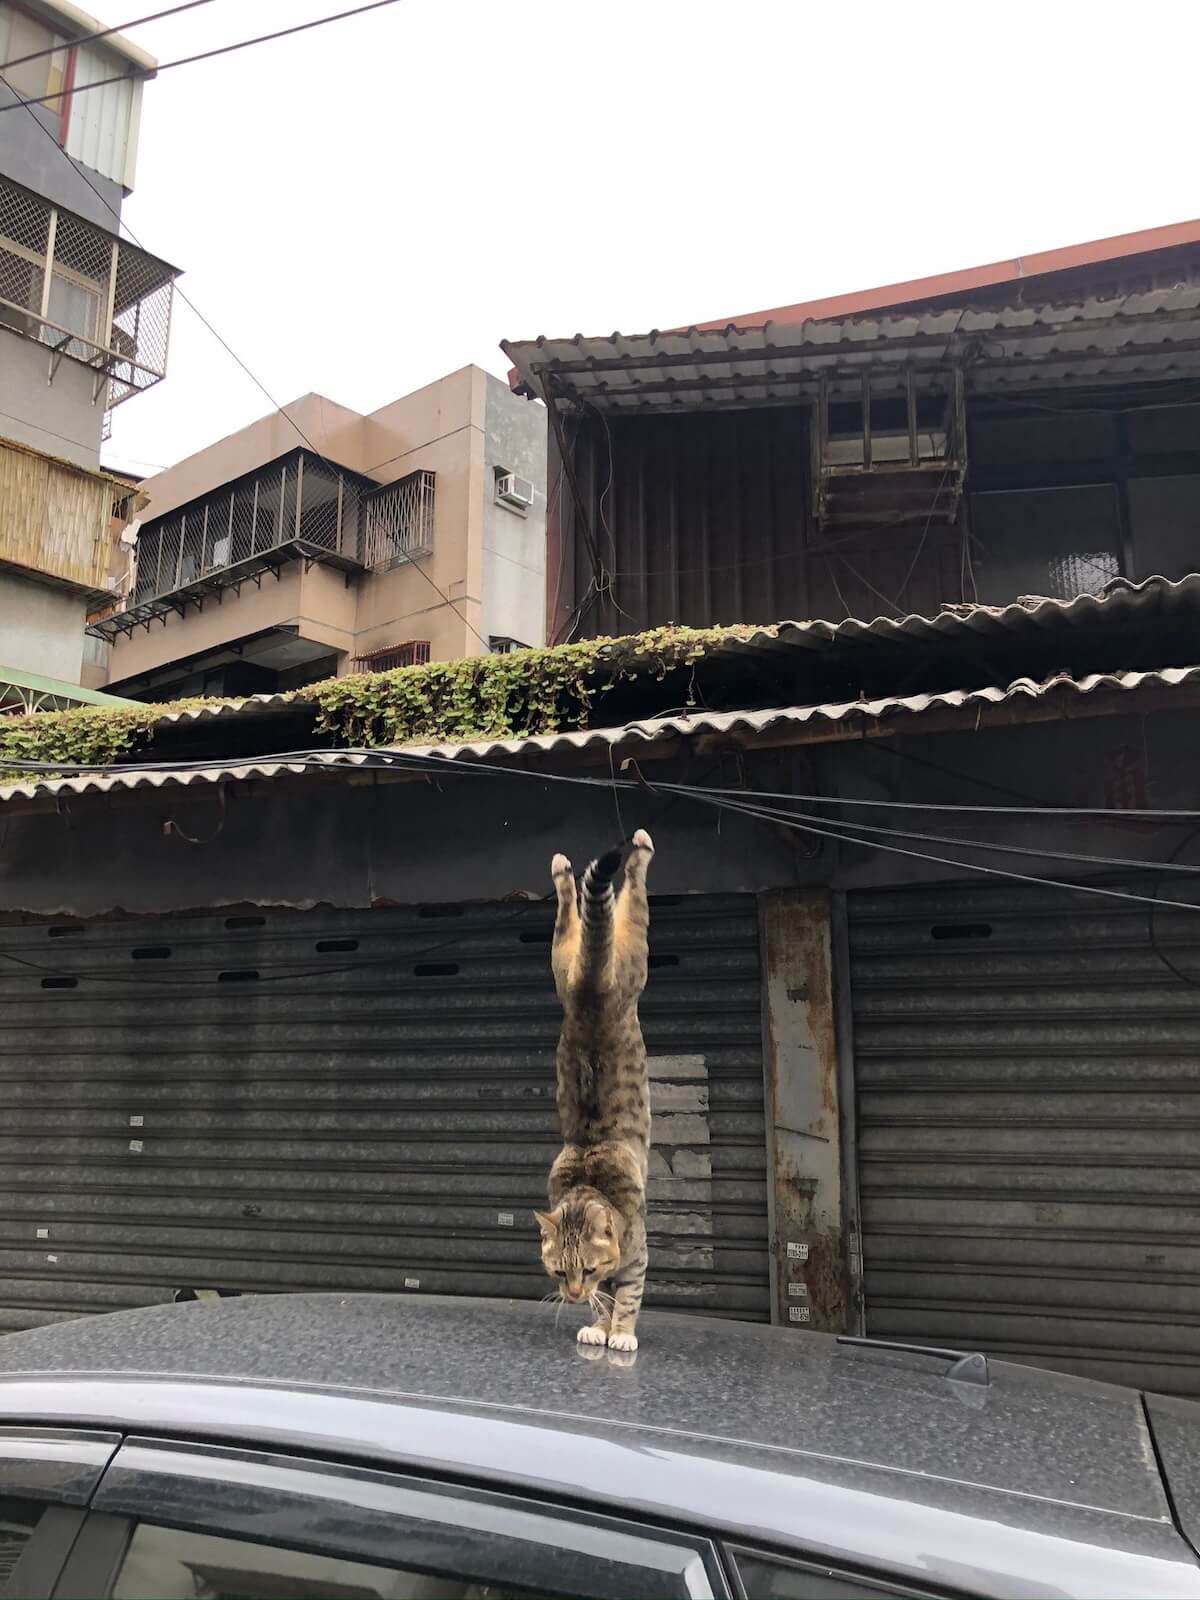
[55, 27]
[68, 91]
[1092, 253]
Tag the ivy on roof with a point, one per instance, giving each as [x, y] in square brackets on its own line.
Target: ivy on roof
[547, 690]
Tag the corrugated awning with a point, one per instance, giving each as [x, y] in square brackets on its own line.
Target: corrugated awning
[1154, 599]
[1022, 700]
[22, 692]
[1150, 335]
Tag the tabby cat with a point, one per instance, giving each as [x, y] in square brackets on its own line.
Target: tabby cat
[594, 1235]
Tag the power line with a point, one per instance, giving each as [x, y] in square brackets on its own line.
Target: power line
[922, 805]
[384, 760]
[203, 55]
[367, 963]
[67, 439]
[1075, 857]
[962, 866]
[679, 791]
[224, 343]
[102, 33]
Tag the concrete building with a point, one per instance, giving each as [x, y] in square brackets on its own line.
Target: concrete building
[922, 1009]
[318, 541]
[84, 320]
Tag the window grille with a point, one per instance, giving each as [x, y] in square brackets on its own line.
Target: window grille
[83, 293]
[299, 498]
[397, 522]
[413, 653]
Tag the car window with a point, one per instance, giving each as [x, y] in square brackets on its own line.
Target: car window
[171, 1564]
[252, 1515]
[18, 1519]
[763, 1576]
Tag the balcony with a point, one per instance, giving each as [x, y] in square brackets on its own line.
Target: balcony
[300, 509]
[55, 519]
[86, 295]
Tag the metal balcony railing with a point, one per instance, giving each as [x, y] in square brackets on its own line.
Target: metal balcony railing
[85, 294]
[397, 522]
[299, 499]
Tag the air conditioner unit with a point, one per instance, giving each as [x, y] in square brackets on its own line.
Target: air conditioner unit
[514, 491]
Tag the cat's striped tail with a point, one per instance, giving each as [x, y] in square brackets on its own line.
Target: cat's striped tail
[597, 900]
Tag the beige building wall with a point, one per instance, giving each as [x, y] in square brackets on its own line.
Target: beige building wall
[442, 428]
[333, 430]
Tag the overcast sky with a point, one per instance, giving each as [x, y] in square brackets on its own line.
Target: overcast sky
[364, 207]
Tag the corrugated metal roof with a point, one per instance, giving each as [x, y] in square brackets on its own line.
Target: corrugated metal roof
[779, 718]
[177, 777]
[1153, 332]
[1016, 271]
[254, 705]
[1122, 600]
[843, 714]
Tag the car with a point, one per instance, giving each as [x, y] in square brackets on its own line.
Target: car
[275, 1446]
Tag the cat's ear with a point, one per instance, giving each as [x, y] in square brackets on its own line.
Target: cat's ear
[548, 1223]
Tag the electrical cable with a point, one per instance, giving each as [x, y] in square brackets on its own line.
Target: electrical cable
[946, 861]
[203, 55]
[708, 797]
[101, 33]
[1184, 977]
[84, 444]
[1033, 812]
[367, 963]
[992, 845]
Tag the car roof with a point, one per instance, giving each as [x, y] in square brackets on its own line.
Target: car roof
[722, 1383]
[1033, 1482]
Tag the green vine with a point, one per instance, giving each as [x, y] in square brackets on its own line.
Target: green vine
[481, 697]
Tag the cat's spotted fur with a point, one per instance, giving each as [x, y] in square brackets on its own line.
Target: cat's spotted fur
[594, 1235]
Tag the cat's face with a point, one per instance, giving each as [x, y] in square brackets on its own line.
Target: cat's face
[580, 1247]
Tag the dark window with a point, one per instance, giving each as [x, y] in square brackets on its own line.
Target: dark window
[18, 1519]
[1051, 542]
[367, 1534]
[767, 1577]
[168, 1564]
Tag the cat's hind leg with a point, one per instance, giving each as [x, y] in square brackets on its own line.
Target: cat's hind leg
[568, 901]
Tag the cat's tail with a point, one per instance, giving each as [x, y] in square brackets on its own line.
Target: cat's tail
[597, 900]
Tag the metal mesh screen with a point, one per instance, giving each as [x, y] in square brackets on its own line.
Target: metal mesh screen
[24, 225]
[300, 498]
[320, 504]
[141, 324]
[83, 293]
[397, 522]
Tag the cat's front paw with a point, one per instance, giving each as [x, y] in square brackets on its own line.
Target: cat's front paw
[559, 865]
[622, 1341]
[592, 1335]
[643, 841]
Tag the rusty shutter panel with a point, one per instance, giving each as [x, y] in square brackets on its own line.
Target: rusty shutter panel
[1027, 1076]
[183, 1115]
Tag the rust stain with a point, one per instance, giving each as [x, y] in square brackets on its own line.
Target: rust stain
[827, 1276]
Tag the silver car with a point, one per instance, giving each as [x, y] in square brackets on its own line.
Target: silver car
[322, 1446]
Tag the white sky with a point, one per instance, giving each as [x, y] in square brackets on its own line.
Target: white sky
[365, 207]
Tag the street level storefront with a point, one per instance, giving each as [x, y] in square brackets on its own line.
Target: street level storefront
[286, 1021]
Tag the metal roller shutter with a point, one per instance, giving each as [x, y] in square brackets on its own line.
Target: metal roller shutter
[383, 1121]
[1027, 1072]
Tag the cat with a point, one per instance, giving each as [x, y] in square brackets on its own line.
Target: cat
[594, 1234]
